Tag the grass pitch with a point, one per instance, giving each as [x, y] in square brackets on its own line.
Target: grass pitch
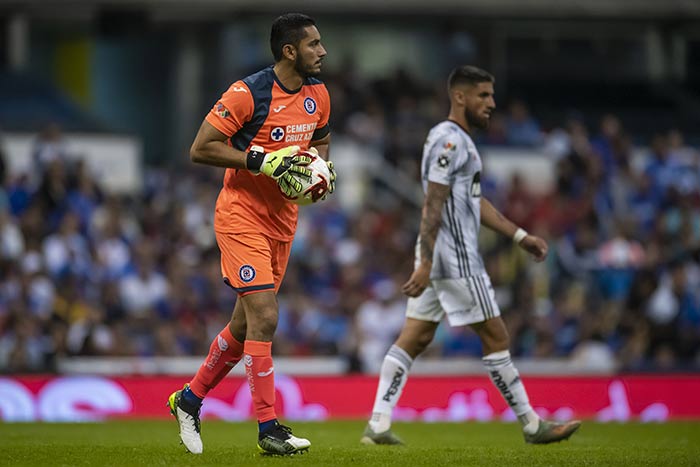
[336, 443]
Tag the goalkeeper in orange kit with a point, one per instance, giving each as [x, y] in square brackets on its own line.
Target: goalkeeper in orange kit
[257, 127]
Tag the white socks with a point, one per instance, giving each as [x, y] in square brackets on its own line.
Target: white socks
[507, 379]
[392, 379]
[394, 374]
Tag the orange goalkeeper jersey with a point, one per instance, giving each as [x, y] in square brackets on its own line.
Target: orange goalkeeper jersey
[260, 111]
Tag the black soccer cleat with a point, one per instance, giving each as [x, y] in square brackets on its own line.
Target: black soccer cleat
[280, 441]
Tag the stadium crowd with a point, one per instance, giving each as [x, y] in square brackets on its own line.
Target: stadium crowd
[84, 272]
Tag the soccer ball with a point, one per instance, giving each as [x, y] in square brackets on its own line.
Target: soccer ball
[313, 189]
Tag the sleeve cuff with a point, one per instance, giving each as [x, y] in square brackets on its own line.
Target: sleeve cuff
[321, 133]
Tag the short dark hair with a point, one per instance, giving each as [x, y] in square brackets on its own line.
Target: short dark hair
[467, 74]
[288, 29]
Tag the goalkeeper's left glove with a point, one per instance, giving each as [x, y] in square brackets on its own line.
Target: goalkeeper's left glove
[331, 170]
[331, 185]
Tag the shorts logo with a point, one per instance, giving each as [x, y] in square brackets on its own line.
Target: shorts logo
[247, 360]
[277, 133]
[246, 273]
[310, 105]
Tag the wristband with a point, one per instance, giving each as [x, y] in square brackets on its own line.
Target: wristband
[519, 235]
[254, 159]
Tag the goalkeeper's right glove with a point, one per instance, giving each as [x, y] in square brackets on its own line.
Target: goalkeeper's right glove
[282, 165]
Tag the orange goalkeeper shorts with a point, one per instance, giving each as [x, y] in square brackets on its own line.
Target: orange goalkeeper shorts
[252, 262]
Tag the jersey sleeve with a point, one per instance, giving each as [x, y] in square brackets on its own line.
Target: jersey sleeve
[232, 110]
[322, 128]
[445, 157]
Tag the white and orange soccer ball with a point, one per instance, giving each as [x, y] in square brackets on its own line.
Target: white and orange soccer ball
[317, 186]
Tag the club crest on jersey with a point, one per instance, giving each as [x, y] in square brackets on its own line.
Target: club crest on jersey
[277, 133]
[246, 273]
[310, 105]
[222, 111]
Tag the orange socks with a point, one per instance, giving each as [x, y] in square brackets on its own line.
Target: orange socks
[224, 353]
[261, 378]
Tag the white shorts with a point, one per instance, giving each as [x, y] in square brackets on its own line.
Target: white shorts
[466, 300]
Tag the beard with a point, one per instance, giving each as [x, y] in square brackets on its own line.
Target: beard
[476, 121]
[305, 70]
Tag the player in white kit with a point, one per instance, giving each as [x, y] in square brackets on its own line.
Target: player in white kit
[449, 277]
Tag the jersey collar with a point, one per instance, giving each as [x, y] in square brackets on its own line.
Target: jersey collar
[279, 83]
[460, 126]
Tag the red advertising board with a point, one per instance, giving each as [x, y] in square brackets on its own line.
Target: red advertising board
[87, 398]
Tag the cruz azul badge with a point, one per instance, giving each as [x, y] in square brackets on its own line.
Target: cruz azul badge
[246, 273]
[310, 105]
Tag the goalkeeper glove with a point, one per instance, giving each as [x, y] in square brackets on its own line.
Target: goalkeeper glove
[331, 182]
[282, 165]
[331, 186]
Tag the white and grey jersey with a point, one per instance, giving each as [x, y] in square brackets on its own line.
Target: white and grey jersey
[450, 158]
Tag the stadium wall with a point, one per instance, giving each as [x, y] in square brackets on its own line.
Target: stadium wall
[643, 398]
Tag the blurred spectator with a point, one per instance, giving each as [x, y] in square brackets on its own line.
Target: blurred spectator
[144, 291]
[572, 137]
[618, 259]
[497, 133]
[379, 321]
[84, 196]
[674, 307]
[368, 125]
[112, 250]
[521, 128]
[663, 167]
[3, 164]
[643, 203]
[38, 290]
[604, 145]
[593, 353]
[326, 328]
[519, 202]
[52, 194]
[687, 156]
[576, 251]
[11, 238]
[67, 251]
[49, 147]
[18, 194]
[23, 348]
